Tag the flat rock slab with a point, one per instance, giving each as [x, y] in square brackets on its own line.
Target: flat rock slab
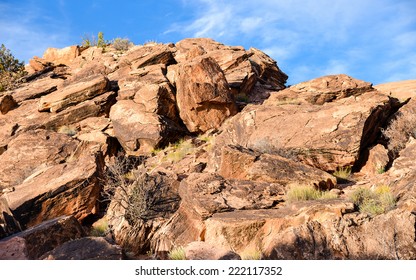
[81, 90]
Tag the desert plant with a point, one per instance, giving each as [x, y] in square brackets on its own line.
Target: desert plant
[343, 173]
[251, 255]
[374, 202]
[11, 69]
[69, 130]
[179, 150]
[92, 41]
[100, 227]
[142, 196]
[302, 192]
[177, 253]
[120, 44]
[101, 43]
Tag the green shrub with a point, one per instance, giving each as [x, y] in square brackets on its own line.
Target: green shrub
[177, 253]
[11, 70]
[302, 192]
[91, 41]
[374, 202]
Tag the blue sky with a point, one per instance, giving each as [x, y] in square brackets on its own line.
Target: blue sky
[372, 40]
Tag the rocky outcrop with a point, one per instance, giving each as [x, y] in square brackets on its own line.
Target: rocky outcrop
[400, 89]
[93, 133]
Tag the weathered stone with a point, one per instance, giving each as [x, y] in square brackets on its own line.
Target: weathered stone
[61, 56]
[202, 251]
[203, 96]
[7, 103]
[74, 189]
[87, 248]
[73, 94]
[355, 238]
[33, 151]
[36, 241]
[324, 136]
[36, 89]
[267, 70]
[138, 131]
[242, 69]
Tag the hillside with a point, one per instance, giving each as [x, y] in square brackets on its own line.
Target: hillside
[200, 147]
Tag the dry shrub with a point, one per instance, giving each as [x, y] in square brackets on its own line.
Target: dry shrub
[141, 195]
[399, 131]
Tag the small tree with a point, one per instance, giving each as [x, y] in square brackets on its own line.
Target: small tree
[11, 69]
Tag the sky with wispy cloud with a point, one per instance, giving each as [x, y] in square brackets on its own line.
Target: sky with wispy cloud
[372, 40]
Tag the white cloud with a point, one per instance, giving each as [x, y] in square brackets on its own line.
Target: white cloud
[325, 36]
[27, 32]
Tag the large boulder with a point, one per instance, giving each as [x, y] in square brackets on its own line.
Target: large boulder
[139, 131]
[203, 96]
[150, 54]
[7, 103]
[325, 136]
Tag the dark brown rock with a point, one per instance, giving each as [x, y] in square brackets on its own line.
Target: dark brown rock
[36, 241]
[203, 96]
[7, 103]
[87, 248]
